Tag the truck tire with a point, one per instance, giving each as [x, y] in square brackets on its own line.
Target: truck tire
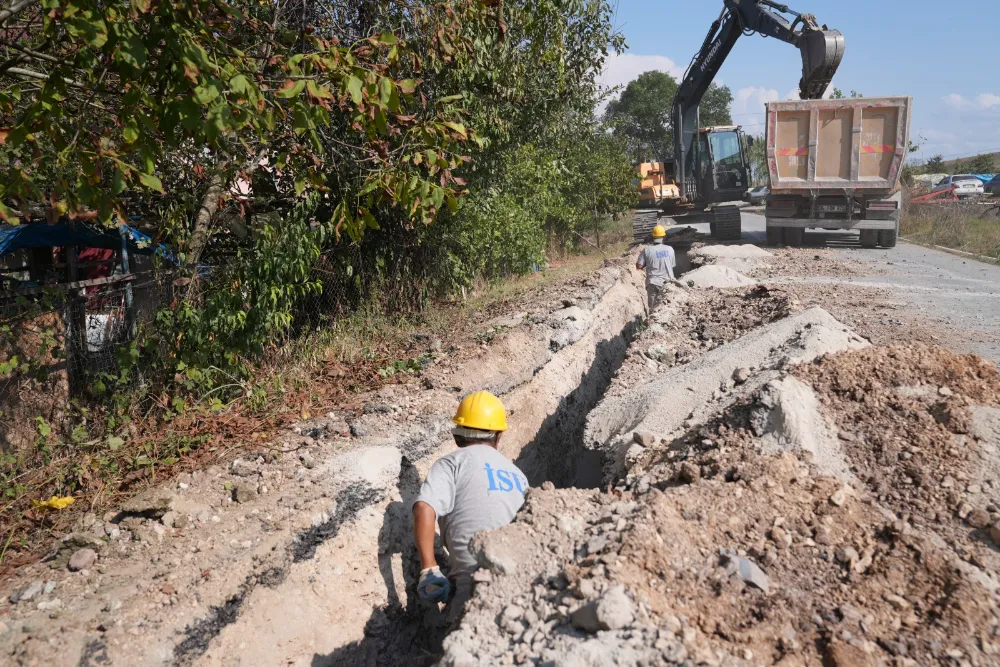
[774, 236]
[869, 238]
[887, 238]
[795, 236]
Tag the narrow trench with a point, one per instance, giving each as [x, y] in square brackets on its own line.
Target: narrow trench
[398, 636]
[557, 453]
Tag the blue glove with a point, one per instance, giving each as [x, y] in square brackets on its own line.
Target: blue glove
[433, 586]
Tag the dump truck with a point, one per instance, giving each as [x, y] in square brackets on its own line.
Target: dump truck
[836, 164]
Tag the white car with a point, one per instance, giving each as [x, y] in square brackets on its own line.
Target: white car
[965, 185]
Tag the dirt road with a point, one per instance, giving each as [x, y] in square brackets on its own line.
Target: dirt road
[300, 553]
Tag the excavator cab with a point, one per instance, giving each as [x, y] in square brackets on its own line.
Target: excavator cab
[720, 168]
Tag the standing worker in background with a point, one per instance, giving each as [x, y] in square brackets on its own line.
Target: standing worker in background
[470, 490]
[659, 261]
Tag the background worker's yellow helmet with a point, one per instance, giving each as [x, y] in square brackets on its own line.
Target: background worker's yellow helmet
[481, 410]
[659, 232]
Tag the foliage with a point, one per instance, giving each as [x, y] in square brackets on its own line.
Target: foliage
[643, 115]
[715, 106]
[935, 165]
[252, 300]
[757, 157]
[980, 164]
[99, 98]
[838, 94]
[332, 133]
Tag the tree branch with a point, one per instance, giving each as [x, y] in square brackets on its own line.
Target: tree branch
[30, 74]
[35, 54]
[15, 8]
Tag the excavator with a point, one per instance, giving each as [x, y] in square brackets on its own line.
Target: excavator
[711, 163]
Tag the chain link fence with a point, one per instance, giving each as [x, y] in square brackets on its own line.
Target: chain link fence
[58, 341]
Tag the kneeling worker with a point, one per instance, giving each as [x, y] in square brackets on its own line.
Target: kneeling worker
[470, 490]
[659, 261]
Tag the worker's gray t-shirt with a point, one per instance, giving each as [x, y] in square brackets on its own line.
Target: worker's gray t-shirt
[473, 489]
[659, 261]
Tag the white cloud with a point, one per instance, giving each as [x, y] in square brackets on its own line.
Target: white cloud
[955, 100]
[982, 101]
[750, 101]
[988, 100]
[619, 69]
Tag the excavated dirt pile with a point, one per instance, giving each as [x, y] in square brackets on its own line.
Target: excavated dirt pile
[842, 510]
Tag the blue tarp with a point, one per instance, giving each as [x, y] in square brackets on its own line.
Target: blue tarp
[985, 178]
[64, 234]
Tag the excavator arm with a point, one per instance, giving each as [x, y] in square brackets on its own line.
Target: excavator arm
[822, 50]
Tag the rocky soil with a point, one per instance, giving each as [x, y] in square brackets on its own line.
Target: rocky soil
[741, 479]
[836, 507]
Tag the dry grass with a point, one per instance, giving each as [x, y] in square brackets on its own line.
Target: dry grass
[970, 228]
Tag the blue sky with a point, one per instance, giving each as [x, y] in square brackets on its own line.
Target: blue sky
[944, 55]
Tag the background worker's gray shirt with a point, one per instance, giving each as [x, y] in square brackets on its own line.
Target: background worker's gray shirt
[659, 261]
[473, 489]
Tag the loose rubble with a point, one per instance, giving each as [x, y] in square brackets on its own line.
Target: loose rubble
[821, 501]
[772, 490]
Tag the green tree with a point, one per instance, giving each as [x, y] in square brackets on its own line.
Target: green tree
[715, 108]
[935, 165]
[757, 154]
[981, 164]
[104, 100]
[838, 94]
[643, 115]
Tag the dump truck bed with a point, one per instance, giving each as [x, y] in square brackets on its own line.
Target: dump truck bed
[855, 145]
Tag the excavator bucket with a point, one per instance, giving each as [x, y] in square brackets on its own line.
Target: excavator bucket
[822, 51]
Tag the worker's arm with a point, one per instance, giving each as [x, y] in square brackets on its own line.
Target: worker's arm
[424, 518]
[640, 262]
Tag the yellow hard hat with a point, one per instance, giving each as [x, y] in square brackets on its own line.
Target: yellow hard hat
[481, 410]
[659, 232]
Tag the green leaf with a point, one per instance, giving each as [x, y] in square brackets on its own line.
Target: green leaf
[240, 84]
[385, 88]
[130, 133]
[437, 197]
[205, 94]
[115, 443]
[318, 91]
[292, 88]
[151, 182]
[457, 127]
[407, 86]
[354, 89]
